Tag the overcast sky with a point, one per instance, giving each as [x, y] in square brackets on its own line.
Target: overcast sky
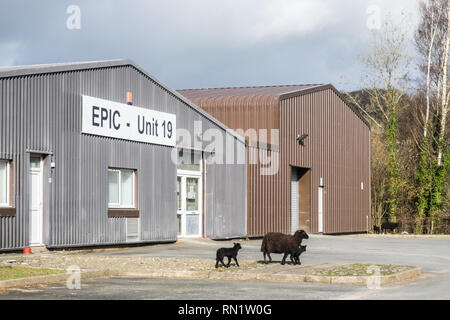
[203, 43]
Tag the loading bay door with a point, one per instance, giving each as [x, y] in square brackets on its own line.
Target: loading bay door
[300, 199]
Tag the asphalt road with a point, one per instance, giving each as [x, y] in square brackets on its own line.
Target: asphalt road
[429, 254]
[432, 255]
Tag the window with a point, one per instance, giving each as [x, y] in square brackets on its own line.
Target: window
[191, 194]
[4, 183]
[189, 160]
[179, 192]
[121, 189]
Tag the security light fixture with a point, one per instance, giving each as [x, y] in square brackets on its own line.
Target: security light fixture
[301, 139]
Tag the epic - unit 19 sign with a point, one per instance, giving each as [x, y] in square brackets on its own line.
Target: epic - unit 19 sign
[117, 120]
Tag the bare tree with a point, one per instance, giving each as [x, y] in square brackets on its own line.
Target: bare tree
[444, 97]
[431, 17]
[387, 67]
[432, 42]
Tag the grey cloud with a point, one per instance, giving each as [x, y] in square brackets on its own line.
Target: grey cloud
[198, 43]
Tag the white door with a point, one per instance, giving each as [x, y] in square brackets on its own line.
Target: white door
[189, 199]
[36, 199]
[294, 203]
[320, 210]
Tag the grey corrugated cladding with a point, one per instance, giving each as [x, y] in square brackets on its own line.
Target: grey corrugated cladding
[40, 110]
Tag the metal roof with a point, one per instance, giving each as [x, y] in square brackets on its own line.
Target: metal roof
[28, 70]
[258, 95]
[262, 91]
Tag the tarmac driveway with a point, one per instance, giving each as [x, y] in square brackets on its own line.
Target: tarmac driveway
[431, 254]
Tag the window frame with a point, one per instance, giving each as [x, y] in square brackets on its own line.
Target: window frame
[133, 185]
[8, 203]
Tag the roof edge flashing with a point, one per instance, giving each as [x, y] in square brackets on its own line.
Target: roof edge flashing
[21, 71]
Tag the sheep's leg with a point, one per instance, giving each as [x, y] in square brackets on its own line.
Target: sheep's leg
[229, 261]
[217, 263]
[283, 261]
[292, 260]
[221, 260]
[270, 258]
[264, 254]
[235, 259]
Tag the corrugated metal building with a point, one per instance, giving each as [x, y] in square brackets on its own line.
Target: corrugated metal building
[323, 179]
[67, 181]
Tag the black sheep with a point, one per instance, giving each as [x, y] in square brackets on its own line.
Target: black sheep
[376, 229]
[294, 253]
[230, 253]
[390, 226]
[275, 242]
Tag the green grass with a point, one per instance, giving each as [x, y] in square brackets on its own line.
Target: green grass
[360, 269]
[8, 273]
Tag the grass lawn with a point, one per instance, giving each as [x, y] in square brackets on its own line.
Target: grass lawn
[360, 269]
[8, 273]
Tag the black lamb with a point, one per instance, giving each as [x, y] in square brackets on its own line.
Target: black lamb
[230, 253]
[294, 253]
[376, 229]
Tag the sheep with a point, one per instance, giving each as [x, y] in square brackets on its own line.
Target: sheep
[294, 253]
[376, 229]
[230, 253]
[275, 242]
[390, 226]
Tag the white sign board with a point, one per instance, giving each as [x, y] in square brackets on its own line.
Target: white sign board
[117, 120]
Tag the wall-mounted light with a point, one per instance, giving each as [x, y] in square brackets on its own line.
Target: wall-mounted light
[321, 183]
[301, 139]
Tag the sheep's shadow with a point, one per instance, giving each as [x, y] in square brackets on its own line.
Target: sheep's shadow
[232, 265]
[268, 262]
[275, 262]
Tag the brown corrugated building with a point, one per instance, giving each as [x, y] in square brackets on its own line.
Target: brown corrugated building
[323, 156]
